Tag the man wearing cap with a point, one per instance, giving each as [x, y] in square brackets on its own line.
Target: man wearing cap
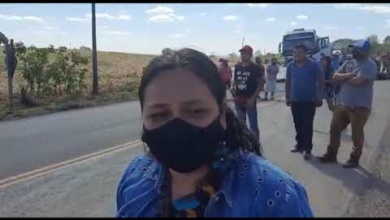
[356, 78]
[305, 83]
[248, 82]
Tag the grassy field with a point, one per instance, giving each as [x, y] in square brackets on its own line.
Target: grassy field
[119, 74]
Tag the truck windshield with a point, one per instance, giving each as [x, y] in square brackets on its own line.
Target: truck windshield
[290, 41]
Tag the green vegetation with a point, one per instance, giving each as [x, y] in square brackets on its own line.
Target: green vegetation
[56, 79]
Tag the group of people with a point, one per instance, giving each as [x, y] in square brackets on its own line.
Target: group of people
[307, 83]
[268, 73]
[203, 161]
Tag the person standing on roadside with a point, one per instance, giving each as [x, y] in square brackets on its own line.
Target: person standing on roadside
[270, 86]
[305, 84]
[225, 72]
[248, 82]
[356, 78]
[329, 92]
[259, 63]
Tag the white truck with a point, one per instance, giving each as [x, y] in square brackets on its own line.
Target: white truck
[316, 45]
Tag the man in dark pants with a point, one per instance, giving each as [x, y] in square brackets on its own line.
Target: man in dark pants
[247, 84]
[305, 84]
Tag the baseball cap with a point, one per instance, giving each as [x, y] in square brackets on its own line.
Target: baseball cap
[361, 44]
[247, 49]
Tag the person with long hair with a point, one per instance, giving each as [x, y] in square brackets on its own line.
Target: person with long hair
[201, 160]
[326, 64]
[225, 72]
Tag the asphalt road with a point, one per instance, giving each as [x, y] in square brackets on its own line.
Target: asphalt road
[88, 189]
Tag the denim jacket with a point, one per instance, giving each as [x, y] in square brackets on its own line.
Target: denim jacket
[253, 187]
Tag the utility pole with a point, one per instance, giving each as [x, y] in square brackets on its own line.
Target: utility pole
[95, 83]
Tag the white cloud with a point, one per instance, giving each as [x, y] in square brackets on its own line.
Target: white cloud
[75, 19]
[203, 13]
[109, 17]
[20, 18]
[120, 33]
[124, 17]
[123, 11]
[347, 5]
[161, 18]
[230, 18]
[163, 14]
[160, 10]
[258, 5]
[237, 32]
[87, 17]
[270, 19]
[302, 17]
[374, 8]
[293, 24]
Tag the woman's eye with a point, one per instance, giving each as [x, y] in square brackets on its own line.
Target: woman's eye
[198, 111]
[158, 116]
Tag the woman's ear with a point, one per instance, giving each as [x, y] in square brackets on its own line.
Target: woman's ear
[222, 117]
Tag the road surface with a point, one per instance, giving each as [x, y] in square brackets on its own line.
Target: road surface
[86, 186]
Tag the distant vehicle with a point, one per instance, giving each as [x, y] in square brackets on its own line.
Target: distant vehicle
[316, 45]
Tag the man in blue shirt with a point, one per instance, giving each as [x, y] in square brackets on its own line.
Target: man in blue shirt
[305, 84]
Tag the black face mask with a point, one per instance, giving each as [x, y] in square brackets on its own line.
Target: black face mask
[357, 55]
[182, 146]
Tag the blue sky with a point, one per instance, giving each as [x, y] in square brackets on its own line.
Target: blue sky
[211, 28]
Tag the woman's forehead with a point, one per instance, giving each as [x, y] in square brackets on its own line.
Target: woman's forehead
[178, 86]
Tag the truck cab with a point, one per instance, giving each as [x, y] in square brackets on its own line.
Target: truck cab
[316, 45]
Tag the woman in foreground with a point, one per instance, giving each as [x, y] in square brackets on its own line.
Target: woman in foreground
[202, 162]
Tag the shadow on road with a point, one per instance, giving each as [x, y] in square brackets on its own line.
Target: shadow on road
[358, 180]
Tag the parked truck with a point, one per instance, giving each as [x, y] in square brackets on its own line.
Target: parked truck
[316, 45]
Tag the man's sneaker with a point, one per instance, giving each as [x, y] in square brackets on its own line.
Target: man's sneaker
[272, 98]
[296, 149]
[327, 159]
[307, 155]
[351, 164]
[265, 99]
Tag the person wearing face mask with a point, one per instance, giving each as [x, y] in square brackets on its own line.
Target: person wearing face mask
[272, 72]
[356, 79]
[202, 161]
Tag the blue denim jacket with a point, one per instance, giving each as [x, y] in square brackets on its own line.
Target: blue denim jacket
[252, 188]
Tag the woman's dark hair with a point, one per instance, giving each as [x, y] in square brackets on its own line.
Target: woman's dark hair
[237, 134]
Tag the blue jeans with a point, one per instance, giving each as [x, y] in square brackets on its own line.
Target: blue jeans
[242, 110]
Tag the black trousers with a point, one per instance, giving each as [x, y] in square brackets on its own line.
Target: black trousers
[303, 114]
